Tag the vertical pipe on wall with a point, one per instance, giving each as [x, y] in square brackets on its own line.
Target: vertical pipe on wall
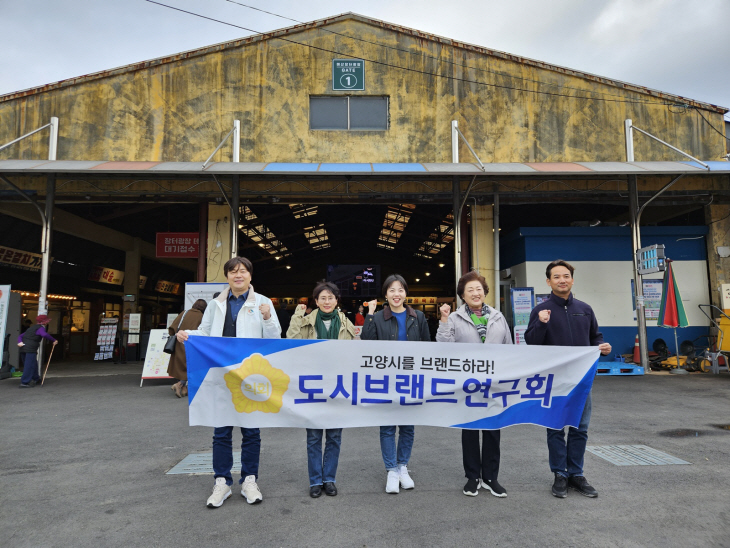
[454, 142]
[236, 141]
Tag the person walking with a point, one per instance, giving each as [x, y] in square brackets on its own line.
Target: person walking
[177, 367]
[325, 322]
[476, 322]
[563, 320]
[29, 342]
[395, 322]
[237, 312]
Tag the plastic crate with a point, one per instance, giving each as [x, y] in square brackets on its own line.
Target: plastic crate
[619, 368]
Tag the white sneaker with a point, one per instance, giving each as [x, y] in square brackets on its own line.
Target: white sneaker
[251, 491]
[405, 480]
[221, 492]
[393, 484]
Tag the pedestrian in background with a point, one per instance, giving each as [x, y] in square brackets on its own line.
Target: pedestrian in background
[178, 367]
[29, 342]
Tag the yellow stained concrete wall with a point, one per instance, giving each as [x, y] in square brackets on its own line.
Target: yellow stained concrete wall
[180, 110]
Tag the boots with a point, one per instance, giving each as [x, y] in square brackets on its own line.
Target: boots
[176, 388]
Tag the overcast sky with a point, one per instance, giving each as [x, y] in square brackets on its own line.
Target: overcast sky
[676, 46]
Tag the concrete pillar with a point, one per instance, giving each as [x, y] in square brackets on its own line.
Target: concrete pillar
[482, 247]
[717, 218]
[132, 270]
[219, 241]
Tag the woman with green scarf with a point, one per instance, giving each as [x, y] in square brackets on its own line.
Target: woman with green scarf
[326, 322]
[476, 322]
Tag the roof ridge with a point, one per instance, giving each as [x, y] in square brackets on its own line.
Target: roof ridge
[302, 27]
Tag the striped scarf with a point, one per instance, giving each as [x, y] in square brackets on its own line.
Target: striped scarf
[480, 322]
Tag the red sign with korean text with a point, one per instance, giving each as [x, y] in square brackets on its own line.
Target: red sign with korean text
[181, 245]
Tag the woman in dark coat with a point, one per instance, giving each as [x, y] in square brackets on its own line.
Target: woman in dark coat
[178, 367]
[396, 322]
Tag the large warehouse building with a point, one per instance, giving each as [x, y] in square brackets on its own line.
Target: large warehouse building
[354, 148]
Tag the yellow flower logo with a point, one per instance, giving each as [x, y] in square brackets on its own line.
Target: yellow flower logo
[256, 386]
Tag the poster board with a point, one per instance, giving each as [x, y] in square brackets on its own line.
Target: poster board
[201, 290]
[523, 301]
[106, 339]
[652, 298]
[156, 361]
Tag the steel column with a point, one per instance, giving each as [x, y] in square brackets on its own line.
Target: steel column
[638, 284]
[202, 240]
[456, 189]
[235, 213]
[495, 217]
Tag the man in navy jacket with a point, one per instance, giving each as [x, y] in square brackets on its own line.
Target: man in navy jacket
[563, 320]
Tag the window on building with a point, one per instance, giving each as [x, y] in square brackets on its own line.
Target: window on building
[348, 113]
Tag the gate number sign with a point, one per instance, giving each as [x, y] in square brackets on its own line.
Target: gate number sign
[348, 74]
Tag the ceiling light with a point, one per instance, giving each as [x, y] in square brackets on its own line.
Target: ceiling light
[428, 273]
[418, 279]
[288, 267]
[441, 265]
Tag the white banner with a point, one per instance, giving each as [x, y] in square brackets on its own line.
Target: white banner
[155, 360]
[4, 303]
[334, 384]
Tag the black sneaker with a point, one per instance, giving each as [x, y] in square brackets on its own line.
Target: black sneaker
[315, 491]
[471, 489]
[580, 484]
[560, 486]
[330, 489]
[495, 488]
[24, 385]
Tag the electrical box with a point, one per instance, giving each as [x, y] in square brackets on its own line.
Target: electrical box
[651, 259]
[725, 296]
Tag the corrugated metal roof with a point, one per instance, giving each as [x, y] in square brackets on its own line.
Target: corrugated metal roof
[587, 169]
[295, 29]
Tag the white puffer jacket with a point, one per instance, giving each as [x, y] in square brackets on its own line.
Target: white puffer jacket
[249, 323]
[460, 328]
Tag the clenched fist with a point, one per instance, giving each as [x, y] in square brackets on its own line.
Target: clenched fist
[265, 310]
[544, 316]
[371, 306]
[445, 310]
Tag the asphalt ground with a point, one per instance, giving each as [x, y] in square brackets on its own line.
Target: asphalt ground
[84, 462]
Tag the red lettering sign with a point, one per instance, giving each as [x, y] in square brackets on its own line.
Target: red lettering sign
[181, 245]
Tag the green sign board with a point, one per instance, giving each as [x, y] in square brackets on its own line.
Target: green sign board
[348, 74]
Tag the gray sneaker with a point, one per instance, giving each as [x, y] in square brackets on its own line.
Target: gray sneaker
[221, 492]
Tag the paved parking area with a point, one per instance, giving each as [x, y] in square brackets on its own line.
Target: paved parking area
[84, 462]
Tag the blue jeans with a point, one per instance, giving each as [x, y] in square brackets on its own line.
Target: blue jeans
[391, 457]
[323, 469]
[223, 452]
[30, 367]
[567, 459]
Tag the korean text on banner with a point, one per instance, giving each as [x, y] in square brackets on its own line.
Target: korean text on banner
[339, 384]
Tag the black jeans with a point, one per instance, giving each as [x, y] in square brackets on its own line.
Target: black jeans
[486, 464]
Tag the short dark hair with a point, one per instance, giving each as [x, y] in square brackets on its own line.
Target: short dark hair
[200, 304]
[231, 264]
[394, 278]
[326, 286]
[471, 276]
[558, 262]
